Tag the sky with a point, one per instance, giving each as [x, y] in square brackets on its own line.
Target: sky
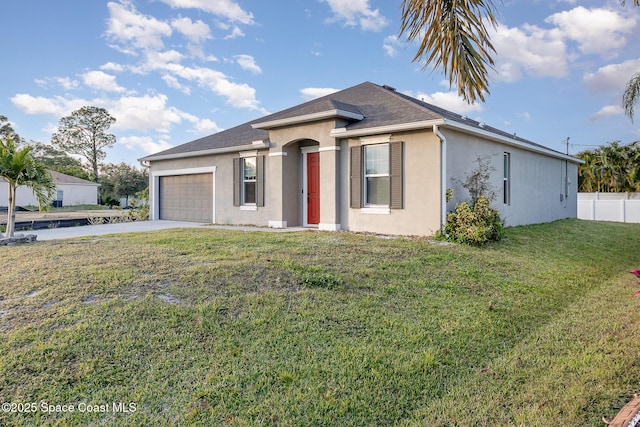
[171, 71]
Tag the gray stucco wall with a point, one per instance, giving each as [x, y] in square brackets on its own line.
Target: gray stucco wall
[537, 180]
[224, 211]
[421, 212]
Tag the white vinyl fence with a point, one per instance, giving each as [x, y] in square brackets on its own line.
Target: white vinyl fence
[618, 207]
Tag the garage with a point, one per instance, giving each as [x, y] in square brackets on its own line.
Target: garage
[186, 197]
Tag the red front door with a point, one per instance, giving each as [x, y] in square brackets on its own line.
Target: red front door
[313, 188]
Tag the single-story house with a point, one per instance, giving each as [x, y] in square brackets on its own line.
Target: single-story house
[364, 159]
[69, 191]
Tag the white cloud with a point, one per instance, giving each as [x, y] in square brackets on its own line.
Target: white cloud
[357, 12]
[196, 32]
[528, 50]
[449, 101]
[223, 8]
[146, 143]
[158, 61]
[173, 83]
[101, 81]
[206, 127]
[238, 95]
[539, 52]
[201, 126]
[112, 66]
[67, 83]
[234, 34]
[597, 31]
[612, 78]
[132, 30]
[310, 93]
[143, 113]
[56, 106]
[607, 111]
[390, 45]
[151, 112]
[247, 62]
[64, 82]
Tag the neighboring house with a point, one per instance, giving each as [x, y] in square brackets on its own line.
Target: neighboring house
[366, 159]
[69, 191]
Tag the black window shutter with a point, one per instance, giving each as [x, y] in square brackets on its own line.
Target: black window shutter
[260, 181]
[356, 177]
[237, 181]
[395, 175]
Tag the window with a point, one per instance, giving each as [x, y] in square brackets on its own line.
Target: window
[506, 180]
[376, 176]
[248, 181]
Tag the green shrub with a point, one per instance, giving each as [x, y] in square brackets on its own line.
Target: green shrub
[140, 207]
[475, 226]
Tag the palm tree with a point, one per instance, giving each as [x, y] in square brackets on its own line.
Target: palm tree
[631, 96]
[454, 37]
[610, 168]
[19, 167]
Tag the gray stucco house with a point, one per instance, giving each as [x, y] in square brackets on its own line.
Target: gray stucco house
[367, 159]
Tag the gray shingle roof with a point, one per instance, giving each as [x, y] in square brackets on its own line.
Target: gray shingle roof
[61, 178]
[380, 106]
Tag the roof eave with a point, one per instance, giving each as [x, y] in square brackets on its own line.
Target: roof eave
[401, 127]
[509, 141]
[253, 146]
[323, 115]
[426, 124]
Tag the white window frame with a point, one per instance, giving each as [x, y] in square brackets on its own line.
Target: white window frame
[506, 178]
[243, 205]
[243, 188]
[365, 175]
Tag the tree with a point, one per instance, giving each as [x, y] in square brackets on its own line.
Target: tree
[121, 180]
[84, 133]
[59, 161]
[6, 130]
[610, 168]
[19, 167]
[631, 96]
[454, 37]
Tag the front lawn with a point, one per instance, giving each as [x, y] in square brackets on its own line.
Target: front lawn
[215, 327]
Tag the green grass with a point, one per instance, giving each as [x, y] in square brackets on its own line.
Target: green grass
[215, 327]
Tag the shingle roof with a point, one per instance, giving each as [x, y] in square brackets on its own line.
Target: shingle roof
[61, 178]
[380, 106]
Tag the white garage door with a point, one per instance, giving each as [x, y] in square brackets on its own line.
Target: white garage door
[187, 197]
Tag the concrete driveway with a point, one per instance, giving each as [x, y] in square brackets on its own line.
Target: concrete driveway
[96, 230]
[136, 226]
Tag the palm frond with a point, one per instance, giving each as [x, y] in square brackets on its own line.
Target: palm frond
[631, 95]
[454, 36]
